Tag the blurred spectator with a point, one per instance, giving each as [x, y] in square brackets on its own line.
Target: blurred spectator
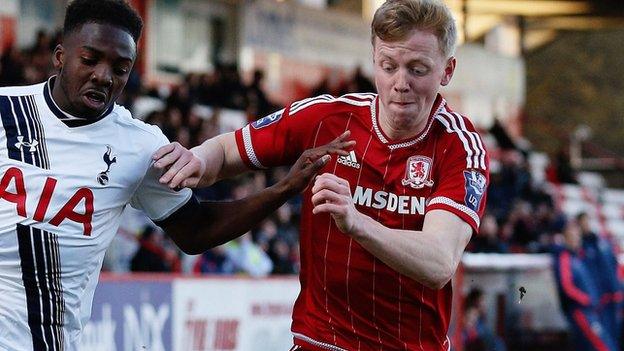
[562, 171]
[599, 257]
[477, 335]
[154, 255]
[214, 261]
[39, 65]
[247, 257]
[359, 83]
[258, 103]
[578, 295]
[489, 240]
[11, 67]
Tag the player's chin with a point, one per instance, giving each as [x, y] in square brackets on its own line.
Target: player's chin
[92, 112]
[404, 110]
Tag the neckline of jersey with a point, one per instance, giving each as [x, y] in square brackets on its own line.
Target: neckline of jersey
[438, 105]
[66, 118]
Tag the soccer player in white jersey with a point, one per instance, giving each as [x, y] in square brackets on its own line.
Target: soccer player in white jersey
[384, 228]
[71, 160]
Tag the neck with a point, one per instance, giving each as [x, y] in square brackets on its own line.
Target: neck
[58, 95]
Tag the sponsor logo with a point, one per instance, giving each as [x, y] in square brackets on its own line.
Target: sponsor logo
[475, 188]
[268, 120]
[401, 204]
[349, 160]
[102, 177]
[78, 209]
[32, 145]
[418, 172]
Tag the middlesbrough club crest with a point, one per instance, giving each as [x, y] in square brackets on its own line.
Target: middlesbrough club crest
[418, 172]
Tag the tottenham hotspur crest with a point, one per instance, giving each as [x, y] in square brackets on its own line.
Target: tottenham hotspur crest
[418, 172]
[102, 178]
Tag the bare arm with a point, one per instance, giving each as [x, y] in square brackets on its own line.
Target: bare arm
[215, 159]
[430, 256]
[222, 158]
[197, 227]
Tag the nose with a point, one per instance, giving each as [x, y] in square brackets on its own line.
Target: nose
[102, 76]
[401, 84]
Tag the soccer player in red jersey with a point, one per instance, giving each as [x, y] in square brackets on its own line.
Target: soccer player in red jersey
[383, 229]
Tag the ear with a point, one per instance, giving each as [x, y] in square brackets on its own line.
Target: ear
[448, 71]
[58, 57]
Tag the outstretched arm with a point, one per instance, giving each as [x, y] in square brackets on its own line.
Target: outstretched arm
[213, 160]
[197, 227]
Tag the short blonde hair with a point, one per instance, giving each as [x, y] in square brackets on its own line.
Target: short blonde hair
[395, 19]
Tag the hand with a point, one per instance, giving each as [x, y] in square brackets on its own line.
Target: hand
[332, 194]
[183, 168]
[311, 161]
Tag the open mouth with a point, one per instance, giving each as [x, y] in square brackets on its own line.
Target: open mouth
[95, 99]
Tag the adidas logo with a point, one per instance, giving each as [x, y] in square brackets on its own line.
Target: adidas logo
[349, 160]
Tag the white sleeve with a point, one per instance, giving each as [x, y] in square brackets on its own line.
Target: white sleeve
[157, 200]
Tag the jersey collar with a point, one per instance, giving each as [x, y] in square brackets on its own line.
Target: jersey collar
[69, 119]
[438, 106]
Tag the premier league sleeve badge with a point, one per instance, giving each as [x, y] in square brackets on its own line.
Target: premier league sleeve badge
[475, 188]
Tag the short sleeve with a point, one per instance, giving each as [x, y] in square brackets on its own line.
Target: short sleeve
[157, 200]
[279, 138]
[463, 178]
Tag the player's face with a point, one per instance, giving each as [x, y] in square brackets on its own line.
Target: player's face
[408, 75]
[94, 63]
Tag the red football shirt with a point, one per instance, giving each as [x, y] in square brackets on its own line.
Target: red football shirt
[349, 299]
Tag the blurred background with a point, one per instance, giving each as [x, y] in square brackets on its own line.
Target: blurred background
[543, 80]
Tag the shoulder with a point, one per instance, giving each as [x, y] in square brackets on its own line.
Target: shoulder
[22, 90]
[330, 104]
[453, 122]
[462, 136]
[137, 127]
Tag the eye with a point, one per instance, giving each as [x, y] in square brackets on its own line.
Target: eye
[387, 67]
[120, 71]
[419, 71]
[89, 61]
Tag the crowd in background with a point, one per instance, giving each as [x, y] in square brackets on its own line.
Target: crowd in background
[521, 215]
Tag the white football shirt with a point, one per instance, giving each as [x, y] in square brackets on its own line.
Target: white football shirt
[63, 186]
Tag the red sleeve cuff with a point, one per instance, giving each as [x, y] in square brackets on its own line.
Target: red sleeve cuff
[462, 211]
[242, 148]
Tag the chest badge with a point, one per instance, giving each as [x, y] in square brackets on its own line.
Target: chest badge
[418, 172]
[102, 177]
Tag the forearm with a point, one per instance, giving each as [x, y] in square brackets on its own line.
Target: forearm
[423, 256]
[210, 151]
[221, 158]
[211, 224]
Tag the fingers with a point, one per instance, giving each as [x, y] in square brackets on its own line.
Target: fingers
[331, 182]
[163, 150]
[167, 155]
[328, 196]
[320, 163]
[174, 169]
[191, 182]
[328, 208]
[330, 189]
[338, 146]
[185, 175]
